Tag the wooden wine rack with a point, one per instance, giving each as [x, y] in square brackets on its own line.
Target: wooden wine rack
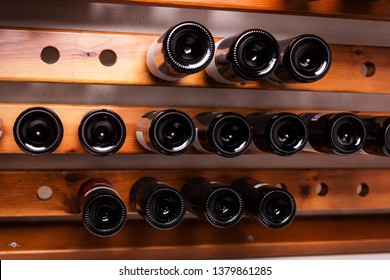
[339, 210]
[80, 54]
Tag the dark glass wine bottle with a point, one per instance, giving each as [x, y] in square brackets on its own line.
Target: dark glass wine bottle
[102, 132]
[305, 59]
[249, 56]
[103, 211]
[378, 135]
[159, 204]
[280, 133]
[184, 49]
[215, 202]
[339, 133]
[274, 207]
[224, 133]
[170, 132]
[38, 131]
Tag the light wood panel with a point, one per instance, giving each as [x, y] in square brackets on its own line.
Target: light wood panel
[358, 9]
[19, 188]
[194, 239]
[20, 60]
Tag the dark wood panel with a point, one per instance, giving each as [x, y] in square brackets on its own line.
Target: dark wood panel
[194, 239]
[357, 9]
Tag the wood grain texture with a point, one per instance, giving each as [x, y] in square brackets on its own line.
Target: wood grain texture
[357, 9]
[194, 239]
[19, 188]
[71, 116]
[20, 60]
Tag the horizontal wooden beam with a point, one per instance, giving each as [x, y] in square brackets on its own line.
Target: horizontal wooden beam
[338, 193]
[356, 9]
[79, 52]
[194, 239]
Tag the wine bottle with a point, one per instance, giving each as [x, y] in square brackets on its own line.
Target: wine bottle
[103, 211]
[1, 126]
[215, 202]
[274, 207]
[224, 133]
[184, 49]
[305, 59]
[102, 132]
[38, 131]
[170, 132]
[161, 205]
[249, 56]
[280, 133]
[339, 133]
[378, 135]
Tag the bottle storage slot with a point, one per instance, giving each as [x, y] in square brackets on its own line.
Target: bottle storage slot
[315, 191]
[39, 55]
[357, 9]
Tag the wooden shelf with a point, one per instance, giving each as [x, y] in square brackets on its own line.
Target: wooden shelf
[194, 239]
[79, 51]
[19, 188]
[356, 9]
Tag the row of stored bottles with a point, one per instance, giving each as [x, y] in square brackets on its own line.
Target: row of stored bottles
[251, 55]
[102, 132]
[163, 207]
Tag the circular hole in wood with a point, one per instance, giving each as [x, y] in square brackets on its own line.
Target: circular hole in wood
[362, 189]
[367, 69]
[107, 58]
[322, 189]
[44, 193]
[50, 55]
[282, 186]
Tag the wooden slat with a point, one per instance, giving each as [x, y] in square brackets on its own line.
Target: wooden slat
[194, 239]
[20, 51]
[357, 9]
[19, 188]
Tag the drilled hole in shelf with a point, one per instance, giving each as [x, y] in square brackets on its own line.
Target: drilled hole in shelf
[367, 69]
[50, 55]
[322, 189]
[44, 193]
[282, 186]
[107, 58]
[362, 189]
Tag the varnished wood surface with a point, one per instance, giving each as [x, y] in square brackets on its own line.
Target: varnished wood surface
[19, 188]
[195, 239]
[357, 9]
[71, 116]
[20, 60]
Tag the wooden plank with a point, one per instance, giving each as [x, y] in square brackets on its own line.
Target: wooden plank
[194, 239]
[357, 9]
[20, 60]
[19, 188]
